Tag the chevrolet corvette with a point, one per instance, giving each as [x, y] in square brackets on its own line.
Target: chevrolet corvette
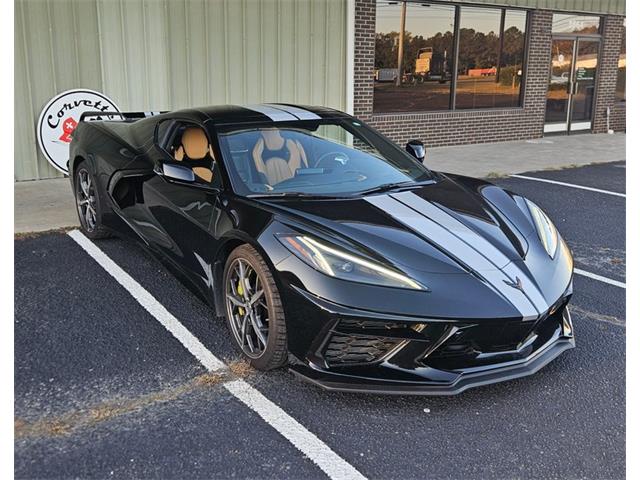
[326, 247]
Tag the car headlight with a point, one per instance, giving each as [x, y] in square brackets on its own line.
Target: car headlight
[340, 264]
[545, 228]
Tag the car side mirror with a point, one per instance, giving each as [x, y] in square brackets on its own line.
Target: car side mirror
[416, 149]
[178, 172]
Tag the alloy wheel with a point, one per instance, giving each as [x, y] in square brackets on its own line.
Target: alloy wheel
[247, 308]
[86, 200]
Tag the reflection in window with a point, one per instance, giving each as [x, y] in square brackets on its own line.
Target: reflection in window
[559, 77]
[490, 64]
[621, 83]
[477, 57]
[512, 58]
[586, 66]
[426, 61]
[490, 67]
[567, 23]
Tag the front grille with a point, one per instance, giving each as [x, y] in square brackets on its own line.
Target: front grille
[489, 343]
[356, 341]
[344, 349]
[371, 324]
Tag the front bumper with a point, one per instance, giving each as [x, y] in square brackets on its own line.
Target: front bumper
[335, 382]
[382, 354]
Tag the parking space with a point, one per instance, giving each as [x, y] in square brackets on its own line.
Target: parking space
[592, 223]
[607, 176]
[102, 389]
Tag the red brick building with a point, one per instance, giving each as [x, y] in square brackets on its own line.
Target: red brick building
[468, 72]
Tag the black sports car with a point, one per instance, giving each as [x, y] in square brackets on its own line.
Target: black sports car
[327, 247]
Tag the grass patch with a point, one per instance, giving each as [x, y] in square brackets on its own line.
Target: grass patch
[70, 422]
[497, 175]
[241, 368]
[28, 235]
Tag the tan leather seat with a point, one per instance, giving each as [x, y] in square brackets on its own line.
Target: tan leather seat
[195, 146]
[276, 158]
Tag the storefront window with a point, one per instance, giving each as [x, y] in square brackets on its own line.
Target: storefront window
[568, 23]
[511, 69]
[490, 64]
[490, 57]
[621, 84]
[426, 61]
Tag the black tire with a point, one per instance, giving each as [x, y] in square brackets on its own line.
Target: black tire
[275, 353]
[86, 196]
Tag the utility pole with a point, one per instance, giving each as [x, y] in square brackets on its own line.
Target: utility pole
[501, 47]
[403, 17]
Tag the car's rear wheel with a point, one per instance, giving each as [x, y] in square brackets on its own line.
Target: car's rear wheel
[254, 309]
[88, 204]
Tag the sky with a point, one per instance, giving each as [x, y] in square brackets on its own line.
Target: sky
[429, 19]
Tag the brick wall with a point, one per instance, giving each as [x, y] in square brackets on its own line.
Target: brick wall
[618, 120]
[472, 126]
[363, 58]
[607, 77]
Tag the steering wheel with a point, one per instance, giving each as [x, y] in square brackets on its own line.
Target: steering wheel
[339, 157]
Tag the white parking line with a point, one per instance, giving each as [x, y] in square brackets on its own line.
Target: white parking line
[315, 449]
[581, 187]
[600, 278]
[150, 304]
[299, 436]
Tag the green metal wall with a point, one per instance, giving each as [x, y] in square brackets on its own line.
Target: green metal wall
[168, 54]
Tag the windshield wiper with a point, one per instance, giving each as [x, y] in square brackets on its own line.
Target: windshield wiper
[288, 195]
[385, 187]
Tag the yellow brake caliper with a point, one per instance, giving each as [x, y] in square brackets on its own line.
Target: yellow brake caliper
[241, 293]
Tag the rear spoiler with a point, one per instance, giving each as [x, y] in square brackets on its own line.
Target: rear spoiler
[122, 116]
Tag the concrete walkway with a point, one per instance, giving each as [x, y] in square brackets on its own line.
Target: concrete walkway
[499, 159]
[43, 205]
[48, 204]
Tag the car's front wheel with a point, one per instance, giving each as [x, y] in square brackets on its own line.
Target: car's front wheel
[88, 204]
[254, 309]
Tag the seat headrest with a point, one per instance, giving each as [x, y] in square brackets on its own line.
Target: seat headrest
[273, 139]
[195, 143]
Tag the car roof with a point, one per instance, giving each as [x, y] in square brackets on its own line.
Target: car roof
[263, 112]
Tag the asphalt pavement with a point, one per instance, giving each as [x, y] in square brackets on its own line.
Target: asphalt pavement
[102, 390]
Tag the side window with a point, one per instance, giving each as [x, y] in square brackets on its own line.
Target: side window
[189, 144]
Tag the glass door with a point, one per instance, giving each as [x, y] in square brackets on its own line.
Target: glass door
[559, 92]
[584, 84]
[574, 63]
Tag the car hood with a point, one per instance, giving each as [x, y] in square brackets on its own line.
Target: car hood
[455, 235]
[378, 222]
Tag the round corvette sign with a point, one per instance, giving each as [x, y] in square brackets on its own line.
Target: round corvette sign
[60, 117]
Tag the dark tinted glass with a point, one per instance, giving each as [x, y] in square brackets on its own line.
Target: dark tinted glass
[567, 23]
[490, 63]
[427, 57]
[328, 157]
[478, 85]
[491, 54]
[510, 73]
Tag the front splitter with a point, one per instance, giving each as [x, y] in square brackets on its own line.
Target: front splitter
[501, 373]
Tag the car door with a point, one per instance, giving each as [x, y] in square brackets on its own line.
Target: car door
[182, 204]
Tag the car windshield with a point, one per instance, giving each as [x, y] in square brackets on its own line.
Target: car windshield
[329, 157]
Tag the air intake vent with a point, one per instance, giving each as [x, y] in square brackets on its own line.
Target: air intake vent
[345, 349]
[372, 324]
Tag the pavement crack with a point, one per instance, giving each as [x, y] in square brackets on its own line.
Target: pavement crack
[599, 317]
[596, 258]
[72, 421]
